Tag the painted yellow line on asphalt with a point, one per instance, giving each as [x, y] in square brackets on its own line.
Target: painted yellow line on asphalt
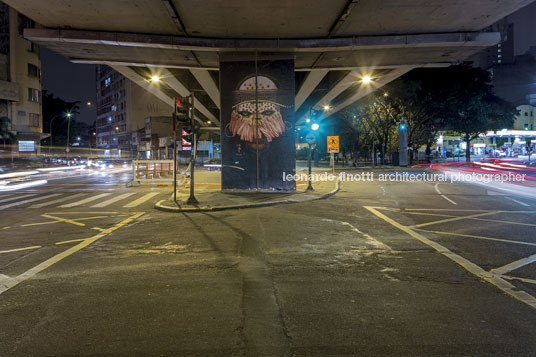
[459, 218]
[71, 241]
[19, 249]
[87, 200]
[10, 283]
[463, 210]
[113, 200]
[471, 267]
[140, 200]
[28, 201]
[514, 265]
[40, 205]
[476, 237]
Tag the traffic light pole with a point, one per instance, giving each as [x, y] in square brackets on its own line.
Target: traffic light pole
[192, 200]
[174, 118]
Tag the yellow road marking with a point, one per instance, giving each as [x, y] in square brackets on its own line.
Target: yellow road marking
[455, 219]
[476, 237]
[58, 257]
[56, 220]
[514, 265]
[471, 267]
[98, 229]
[19, 249]
[71, 241]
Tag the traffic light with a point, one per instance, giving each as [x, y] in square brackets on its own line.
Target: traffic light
[186, 139]
[183, 112]
[526, 127]
[402, 125]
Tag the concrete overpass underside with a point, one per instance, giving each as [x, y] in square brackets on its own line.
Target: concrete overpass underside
[334, 42]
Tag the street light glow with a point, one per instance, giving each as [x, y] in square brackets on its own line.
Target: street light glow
[326, 107]
[68, 115]
[155, 78]
[308, 120]
[366, 79]
[315, 126]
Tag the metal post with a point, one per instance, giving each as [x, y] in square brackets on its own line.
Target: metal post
[373, 154]
[332, 163]
[192, 200]
[68, 132]
[309, 177]
[174, 118]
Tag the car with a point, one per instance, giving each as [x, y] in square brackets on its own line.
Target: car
[212, 164]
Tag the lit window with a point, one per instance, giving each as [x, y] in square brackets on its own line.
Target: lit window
[33, 95]
[107, 82]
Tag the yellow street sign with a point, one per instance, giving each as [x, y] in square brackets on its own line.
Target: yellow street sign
[333, 144]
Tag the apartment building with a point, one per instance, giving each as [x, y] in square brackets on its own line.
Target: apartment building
[20, 80]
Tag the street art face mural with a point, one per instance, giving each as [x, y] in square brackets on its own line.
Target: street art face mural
[257, 125]
[261, 115]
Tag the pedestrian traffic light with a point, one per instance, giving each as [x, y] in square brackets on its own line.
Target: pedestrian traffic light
[526, 127]
[186, 139]
[402, 126]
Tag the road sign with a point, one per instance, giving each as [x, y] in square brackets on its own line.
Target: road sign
[310, 138]
[333, 144]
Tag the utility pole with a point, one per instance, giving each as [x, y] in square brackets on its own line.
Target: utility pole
[174, 126]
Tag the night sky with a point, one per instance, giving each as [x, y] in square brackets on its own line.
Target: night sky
[70, 82]
[73, 82]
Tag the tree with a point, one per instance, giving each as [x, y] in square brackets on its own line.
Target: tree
[469, 104]
[5, 134]
[55, 109]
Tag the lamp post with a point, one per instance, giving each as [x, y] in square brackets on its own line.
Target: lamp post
[69, 115]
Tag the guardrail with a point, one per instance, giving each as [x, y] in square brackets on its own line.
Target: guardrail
[149, 171]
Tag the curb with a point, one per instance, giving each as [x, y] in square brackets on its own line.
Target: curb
[161, 207]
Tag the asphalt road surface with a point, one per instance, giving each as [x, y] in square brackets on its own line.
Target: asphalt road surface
[88, 267]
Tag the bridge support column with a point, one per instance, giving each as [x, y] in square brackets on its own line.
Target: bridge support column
[257, 122]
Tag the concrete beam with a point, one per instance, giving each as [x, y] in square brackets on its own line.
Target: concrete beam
[473, 39]
[177, 86]
[308, 86]
[347, 81]
[205, 80]
[142, 82]
[378, 83]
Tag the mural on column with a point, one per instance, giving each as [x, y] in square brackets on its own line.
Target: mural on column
[257, 105]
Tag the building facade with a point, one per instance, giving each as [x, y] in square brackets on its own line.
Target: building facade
[122, 108]
[20, 80]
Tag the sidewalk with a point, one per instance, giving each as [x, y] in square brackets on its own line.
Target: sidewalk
[210, 198]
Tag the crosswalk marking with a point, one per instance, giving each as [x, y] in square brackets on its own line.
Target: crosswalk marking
[89, 199]
[28, 201]
[112, 200]
[58, 200]
[140, 200]
[17, 197]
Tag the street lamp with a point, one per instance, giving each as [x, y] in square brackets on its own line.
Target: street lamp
[68, 115]
[315, 126]
[366, 79]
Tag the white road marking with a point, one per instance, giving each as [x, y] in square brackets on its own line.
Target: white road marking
[442, 195]
[19, 249]
[17, 197]
[519, 202]
[28, 201]
[514, 265]
[89, 199]
[140, 200]
[113, 200]
[57, 201]
[471, 267]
